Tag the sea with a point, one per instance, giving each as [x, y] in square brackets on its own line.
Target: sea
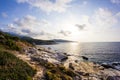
[99, 52]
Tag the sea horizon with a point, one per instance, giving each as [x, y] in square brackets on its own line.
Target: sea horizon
[95, 51]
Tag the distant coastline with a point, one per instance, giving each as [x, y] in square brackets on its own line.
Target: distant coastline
[49, 64]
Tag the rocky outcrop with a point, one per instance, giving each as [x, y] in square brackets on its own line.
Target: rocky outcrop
[84, 69]
[113, 65]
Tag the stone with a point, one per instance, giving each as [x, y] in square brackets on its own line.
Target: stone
[39, 49]
[49, 48]
[77, 78]
[76, 61]
[71, 66]
[65, 53]
[106, 66]
[113, 78]
[80, 73]
[64, 58]
[101, 67]
[84, 58]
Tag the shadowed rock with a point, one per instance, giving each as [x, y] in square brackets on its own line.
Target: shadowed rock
[113, 78]
[106, 66]
[64, 58]
[71, 66]
[84, 58]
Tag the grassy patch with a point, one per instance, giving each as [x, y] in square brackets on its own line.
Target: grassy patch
[12, 68]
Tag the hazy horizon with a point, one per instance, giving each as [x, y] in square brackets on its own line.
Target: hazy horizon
[74, 20]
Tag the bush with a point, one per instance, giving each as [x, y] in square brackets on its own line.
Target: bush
[51, 76]
[49, 65]
[62, 68]
[66, 77]
[58, 72]
[67, 71]
[70, 73]
[12, 45]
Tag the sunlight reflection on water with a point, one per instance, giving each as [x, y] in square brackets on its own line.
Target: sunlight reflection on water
[97, 52]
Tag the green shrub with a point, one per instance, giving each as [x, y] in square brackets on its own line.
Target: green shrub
[52, 76]
[67, 71]
[66, 77]
[70, 73]
[12, 45]
[58, 72]
[49, 65]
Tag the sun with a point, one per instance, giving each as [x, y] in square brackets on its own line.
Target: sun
[69, 24]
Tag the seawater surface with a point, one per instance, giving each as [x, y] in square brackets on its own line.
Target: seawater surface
[95, 51]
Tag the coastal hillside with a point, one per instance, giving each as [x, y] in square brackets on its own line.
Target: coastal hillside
[37, 41]
[10, 42]
[59, 40]
[18, 61]
[11, 67]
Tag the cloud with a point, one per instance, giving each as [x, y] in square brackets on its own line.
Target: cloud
[26, 31]
[81, 27]
[115, 1]
[65, 33]
[29, 26]
[4, 15]
[103, 19]
[48, 5]
[85, 2]
[118, 15]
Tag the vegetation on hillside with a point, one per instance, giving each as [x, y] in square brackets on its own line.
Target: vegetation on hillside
[9, 41]
[56, 72]
[38, 41]
[12, 68]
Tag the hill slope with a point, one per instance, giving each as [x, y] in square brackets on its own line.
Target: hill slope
[11, 67]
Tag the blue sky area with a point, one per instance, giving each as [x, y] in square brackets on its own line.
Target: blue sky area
[78, 20]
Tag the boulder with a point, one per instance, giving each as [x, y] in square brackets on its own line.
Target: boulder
[66, 54]
[71, 66]
[77, 78]
[80, 73]
[76, 61]
[61, 57]
[84, 58]
[113, 78]
[105, 65]
[64, 58]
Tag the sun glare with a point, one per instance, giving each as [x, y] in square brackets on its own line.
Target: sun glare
[69, 24]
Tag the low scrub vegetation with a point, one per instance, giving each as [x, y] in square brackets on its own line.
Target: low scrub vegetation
[9, 41]
[12, 68]
[57, 72]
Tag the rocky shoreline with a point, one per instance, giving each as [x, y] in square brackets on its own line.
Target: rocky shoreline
[85, 70]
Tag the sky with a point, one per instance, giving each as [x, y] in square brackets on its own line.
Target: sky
[76, 20]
